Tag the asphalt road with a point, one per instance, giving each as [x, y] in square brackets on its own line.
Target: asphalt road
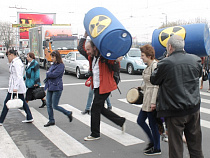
[18, 140]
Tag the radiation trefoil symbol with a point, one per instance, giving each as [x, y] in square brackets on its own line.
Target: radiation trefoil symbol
[168, 32]
[98, 24]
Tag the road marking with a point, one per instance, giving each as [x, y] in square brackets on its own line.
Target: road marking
[125, 101]
[129, 116]
[57, 136]
[83, 83]
[204, 123]
[205, 93]
[133, 80]
[74, 84]
[111, 132]
[8, 149]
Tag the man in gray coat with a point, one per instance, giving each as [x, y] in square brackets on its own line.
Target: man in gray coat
[179, 98]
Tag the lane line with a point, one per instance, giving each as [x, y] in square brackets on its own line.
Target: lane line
[8, 148]
[57, 136]
[83, 83]
[111, 132]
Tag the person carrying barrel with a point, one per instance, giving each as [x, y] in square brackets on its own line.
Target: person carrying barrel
[102, 84]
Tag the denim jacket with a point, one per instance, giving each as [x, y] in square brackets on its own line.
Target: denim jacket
[54, 77]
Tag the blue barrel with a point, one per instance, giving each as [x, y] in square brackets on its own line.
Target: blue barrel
[196, 36]
[107, 33]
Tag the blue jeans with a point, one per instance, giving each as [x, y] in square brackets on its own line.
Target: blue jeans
[90, 99]
[152, 132]
[25, 107]
[53, 98]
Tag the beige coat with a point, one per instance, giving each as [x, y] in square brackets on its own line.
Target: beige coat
[150, 91]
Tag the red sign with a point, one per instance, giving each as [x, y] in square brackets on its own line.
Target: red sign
[30, 18]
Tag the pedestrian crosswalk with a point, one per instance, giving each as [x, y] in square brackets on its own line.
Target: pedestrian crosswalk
[115, 134]
[57, 136]
[72, 147]
[8, 148]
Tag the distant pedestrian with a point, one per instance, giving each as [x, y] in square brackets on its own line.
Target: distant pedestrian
[32, 78]
[54, 87]
[16, 85]
[103, 83]
[202, 63]
[179, 99]
[149, 102]
[206, 68]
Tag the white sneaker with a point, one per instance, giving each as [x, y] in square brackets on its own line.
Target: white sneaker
[91, 138]
[28, 121]
[123, 128]
[1, 124]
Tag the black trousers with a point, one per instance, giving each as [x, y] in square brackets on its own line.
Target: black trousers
[98, 109]
[190, 126]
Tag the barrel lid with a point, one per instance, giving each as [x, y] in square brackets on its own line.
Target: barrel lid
[116, 43]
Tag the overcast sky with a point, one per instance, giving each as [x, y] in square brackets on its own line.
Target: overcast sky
[139, 17]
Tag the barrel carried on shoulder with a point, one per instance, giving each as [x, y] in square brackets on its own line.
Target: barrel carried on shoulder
[196, 36]
[107, 33]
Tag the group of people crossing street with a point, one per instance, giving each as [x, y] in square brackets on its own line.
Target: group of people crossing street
[171, 92]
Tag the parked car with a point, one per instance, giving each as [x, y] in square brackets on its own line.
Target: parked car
[76, 63]
[2, 55]
[132, 62]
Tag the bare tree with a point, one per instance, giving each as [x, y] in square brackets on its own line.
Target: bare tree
[182, 22]
[7, 34]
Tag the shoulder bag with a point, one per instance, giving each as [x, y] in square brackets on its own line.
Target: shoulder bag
[38, 93]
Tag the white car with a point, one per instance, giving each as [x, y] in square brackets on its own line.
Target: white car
[2, 55]
[76, 63]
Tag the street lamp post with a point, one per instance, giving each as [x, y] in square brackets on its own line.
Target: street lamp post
[165, 17]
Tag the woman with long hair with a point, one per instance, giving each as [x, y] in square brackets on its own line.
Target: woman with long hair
[54, 87]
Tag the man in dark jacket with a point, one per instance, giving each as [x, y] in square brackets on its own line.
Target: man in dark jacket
[103, 83]
[179, 98]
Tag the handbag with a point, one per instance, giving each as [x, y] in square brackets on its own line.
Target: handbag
[39, 93]
[87, 83]
[159, 122]
[14, 103]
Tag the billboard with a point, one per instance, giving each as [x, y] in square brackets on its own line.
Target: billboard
[34, 18]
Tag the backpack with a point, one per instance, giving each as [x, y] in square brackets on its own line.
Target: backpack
[116, 68]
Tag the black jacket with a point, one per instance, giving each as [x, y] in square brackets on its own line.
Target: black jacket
[178, 77]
